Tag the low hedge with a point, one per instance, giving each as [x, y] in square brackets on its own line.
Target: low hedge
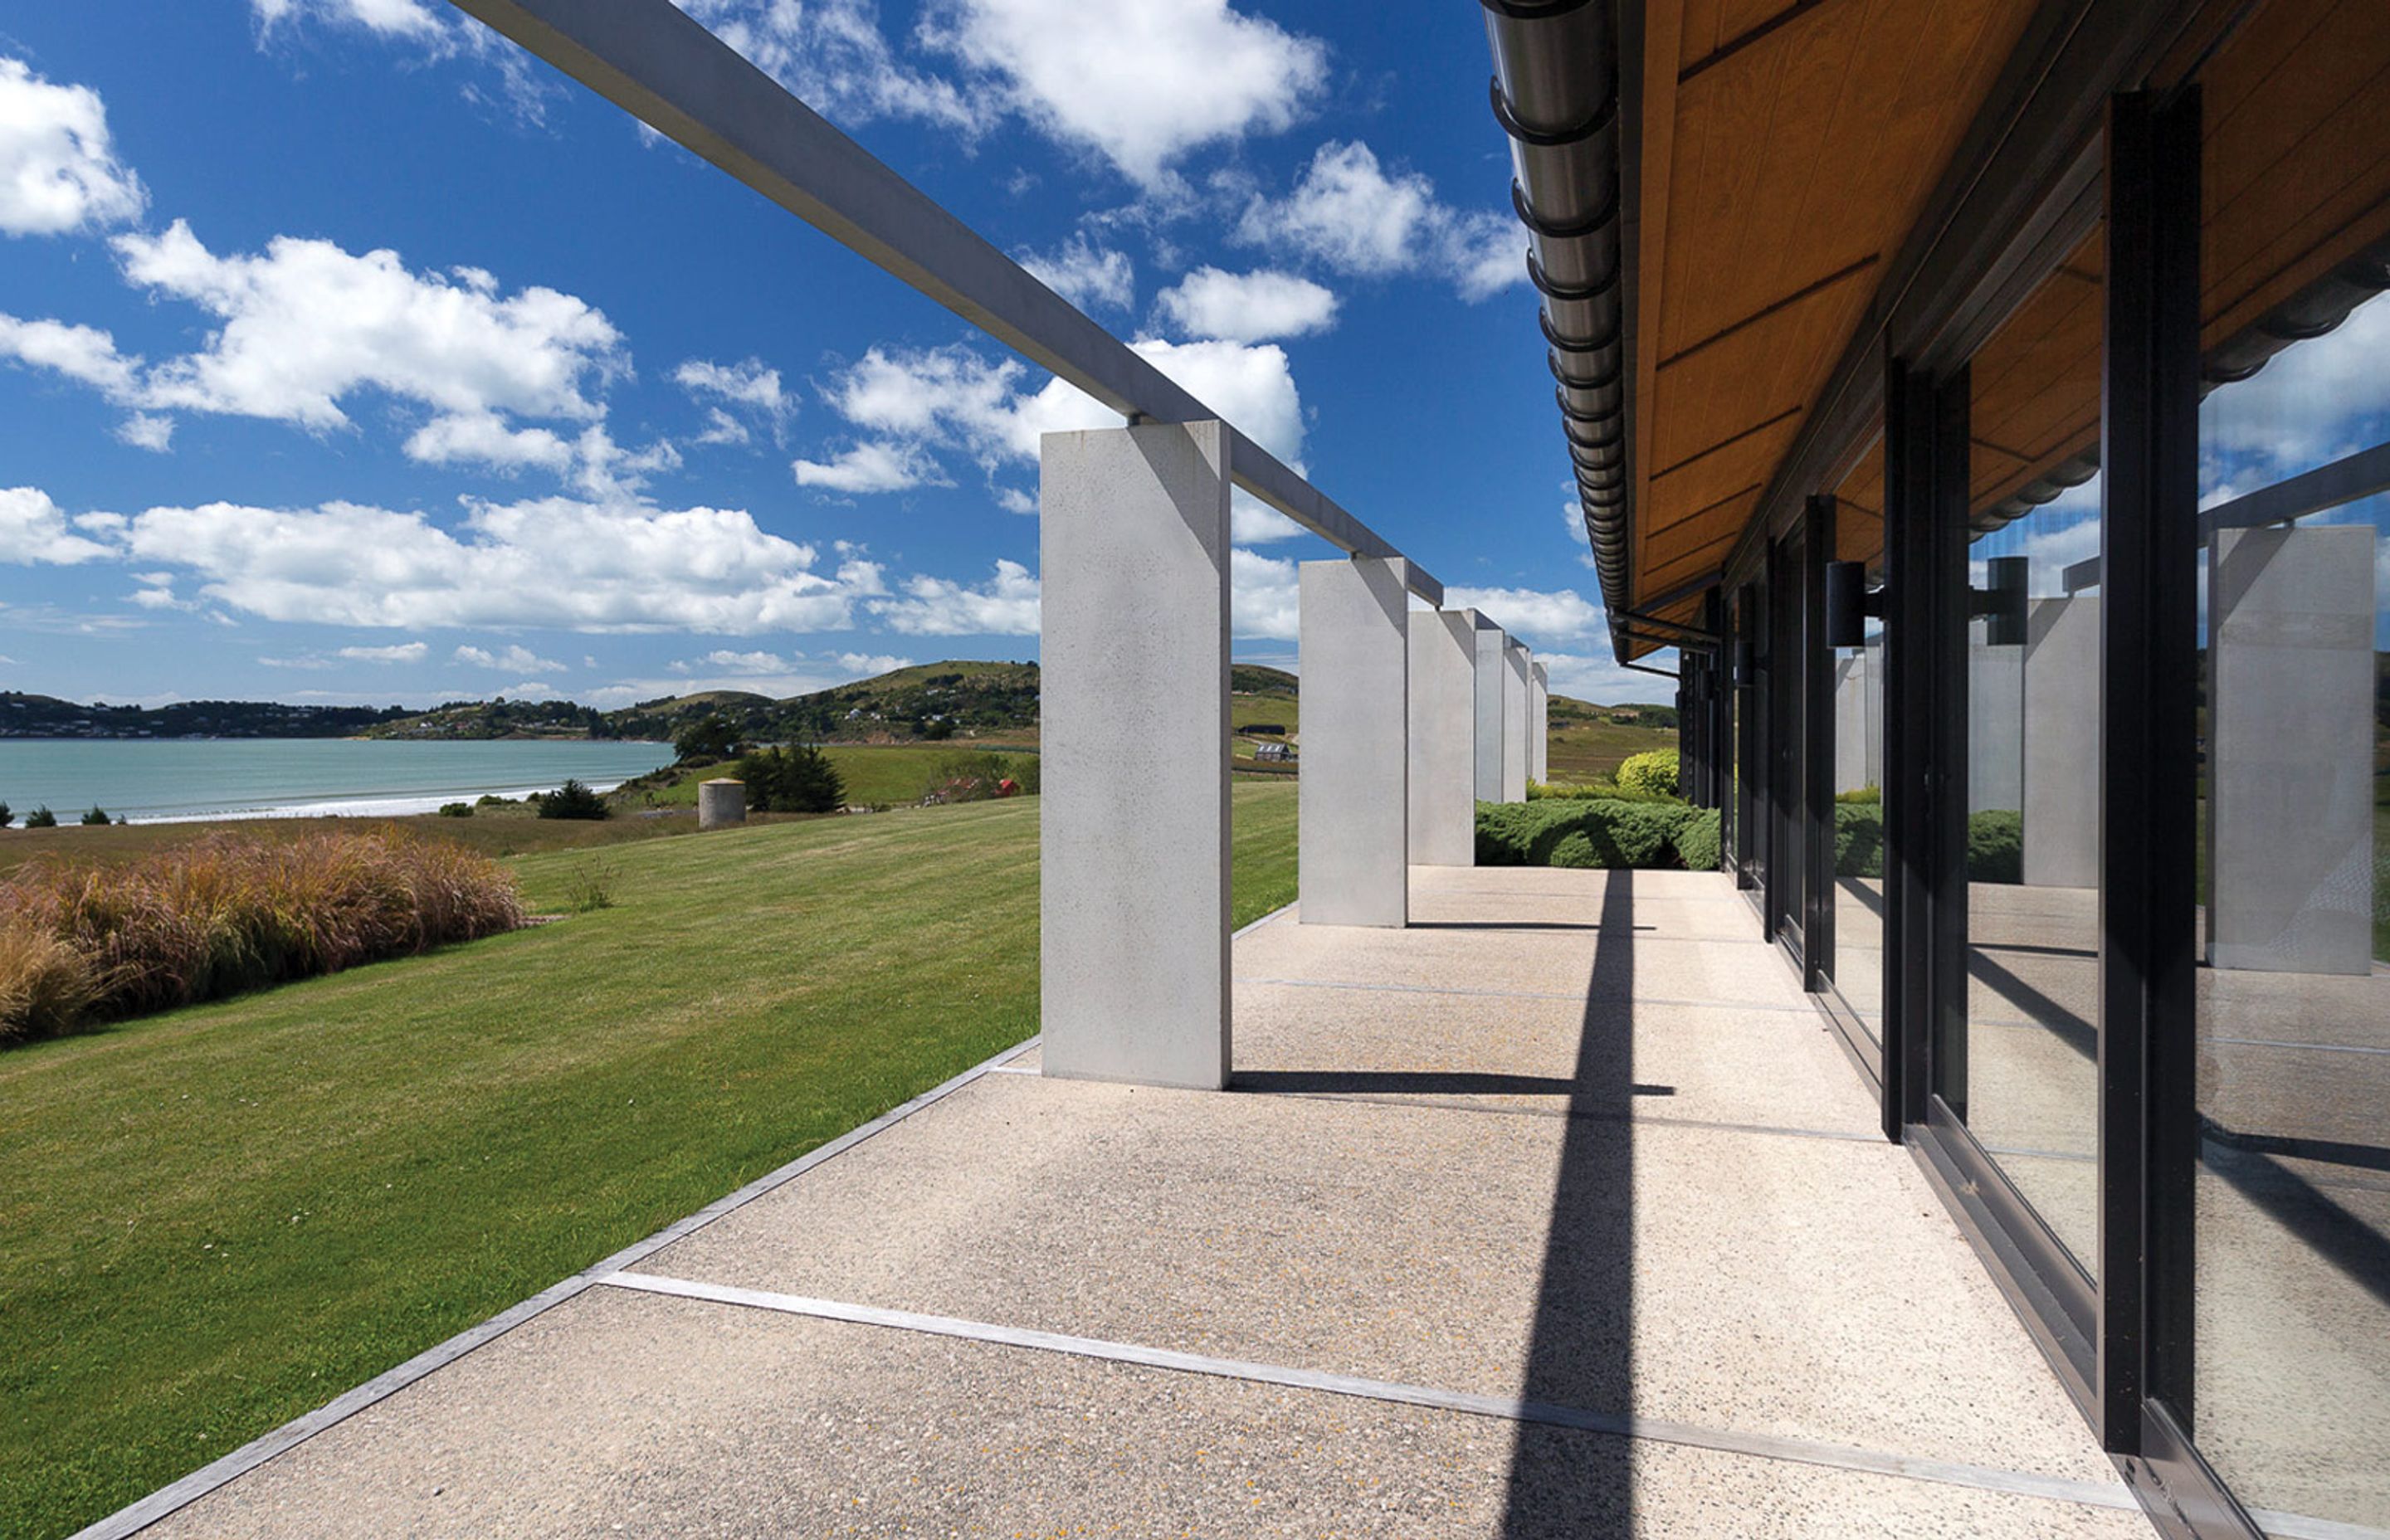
[1995, 843]
[1697, 843]
[1598, 833]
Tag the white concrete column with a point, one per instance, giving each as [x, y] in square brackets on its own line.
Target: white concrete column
[1443, 738]
[1995, 722]
[2061, 743]
[2290, 757]
[1539, 724]
[1354, 849]
[1134, 821]
[1491, 641]
[1514, 723]
[1853, 763]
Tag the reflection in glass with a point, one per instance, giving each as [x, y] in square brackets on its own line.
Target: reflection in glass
[2292, 1400]
[2030, 1091]
[1856, 727]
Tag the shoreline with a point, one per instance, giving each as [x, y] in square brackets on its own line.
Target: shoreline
[406, 807]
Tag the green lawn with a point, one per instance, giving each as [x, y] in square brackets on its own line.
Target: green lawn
[218, 1218]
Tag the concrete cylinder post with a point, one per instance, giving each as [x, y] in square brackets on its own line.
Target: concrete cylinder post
[1443, 738]
[721, 802]
[1539, 723]
[1515, 663]
[1133, 830]
[1353, 850]
[2289, 760]
[1490, 641]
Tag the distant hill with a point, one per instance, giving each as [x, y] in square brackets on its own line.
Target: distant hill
[927, 702]
[1255, 679]
[24, 715]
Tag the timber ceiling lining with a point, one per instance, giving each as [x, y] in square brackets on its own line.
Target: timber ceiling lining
[1791, 145]
[2295, 171]
[2033, 387]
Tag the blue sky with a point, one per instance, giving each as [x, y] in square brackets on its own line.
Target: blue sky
[346, 354]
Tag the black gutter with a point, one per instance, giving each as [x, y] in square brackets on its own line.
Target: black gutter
[1556, 94]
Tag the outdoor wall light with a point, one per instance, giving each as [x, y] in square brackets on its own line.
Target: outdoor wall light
[1848, 603]
[2002, 601]
[1746, 665]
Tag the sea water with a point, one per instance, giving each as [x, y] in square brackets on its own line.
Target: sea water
[168, 779]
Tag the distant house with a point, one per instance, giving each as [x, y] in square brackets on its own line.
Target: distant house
[1268, 753]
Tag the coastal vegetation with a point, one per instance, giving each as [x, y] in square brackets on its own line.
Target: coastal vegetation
[222, 1216]
[84, 943]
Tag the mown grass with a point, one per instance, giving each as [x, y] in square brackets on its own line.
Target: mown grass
[220, 1217]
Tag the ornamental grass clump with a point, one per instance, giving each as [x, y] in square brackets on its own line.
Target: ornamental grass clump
[229, 913]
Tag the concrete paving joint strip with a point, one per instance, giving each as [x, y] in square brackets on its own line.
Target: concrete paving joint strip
[2107, 1494]
[139, 1515]
[1804, 1009]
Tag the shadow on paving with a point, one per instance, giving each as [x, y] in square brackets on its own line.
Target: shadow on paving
[1580, 1348]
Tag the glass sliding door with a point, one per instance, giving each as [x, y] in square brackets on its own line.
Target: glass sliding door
[2024, 1075]
[2289, 1354]
[1855, 846]
[1789, 661]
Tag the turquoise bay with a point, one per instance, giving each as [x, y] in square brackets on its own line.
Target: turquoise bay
[151, 779]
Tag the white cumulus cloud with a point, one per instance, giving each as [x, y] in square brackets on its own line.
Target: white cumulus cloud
[34, 530]
[1534, 615]
[554, 562]
[1248, 307]
[868, 467]
[832, 55]
[1141, 82]
[1347, 212]
[403, 652]
[511, 660]
[59, 171]
[1004, 605]
[1088, 276]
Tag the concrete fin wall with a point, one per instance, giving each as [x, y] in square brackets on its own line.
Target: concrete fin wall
[1491, 644]
[1355, 783]
[2061, 743]
[1995, 722]
[1442, 791]
[1539, 723]
[2290, 758]
[1134, 815]
[1514, 723]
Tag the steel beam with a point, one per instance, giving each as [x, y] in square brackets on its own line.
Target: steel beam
[664, 69]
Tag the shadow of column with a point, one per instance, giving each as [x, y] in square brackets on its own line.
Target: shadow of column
[1580, 1349]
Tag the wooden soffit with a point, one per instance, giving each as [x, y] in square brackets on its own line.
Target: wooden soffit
[1788, 147]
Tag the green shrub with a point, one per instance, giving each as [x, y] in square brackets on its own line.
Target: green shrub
[6, 817]
[491, 798]
[455, 810]
[1590, 832]
[791, 780]
[1869, 796]
[1653, 770]
[1596, 792]
[709, 738]
[97, 819]
[1859, 839]
[573, 800]
[41, 818]
[1995, 846]
[1698, 841]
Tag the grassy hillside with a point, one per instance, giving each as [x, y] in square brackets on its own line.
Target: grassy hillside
[221, 1217]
